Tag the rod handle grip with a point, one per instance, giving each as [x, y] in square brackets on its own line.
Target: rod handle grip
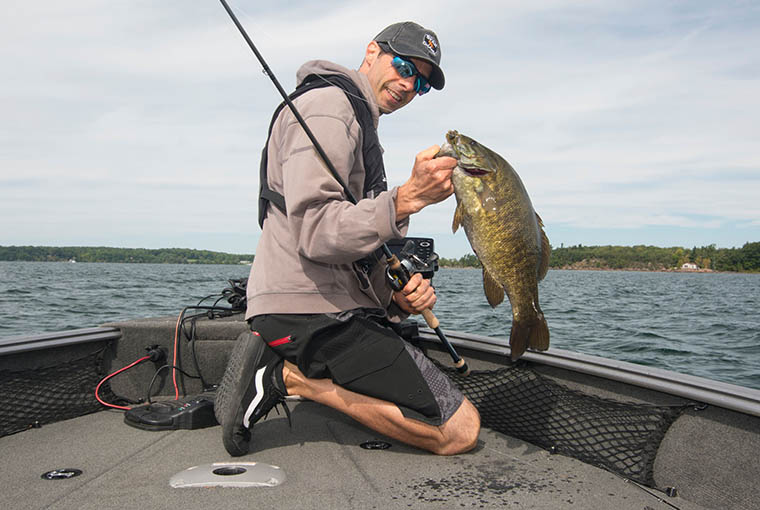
[430, 318]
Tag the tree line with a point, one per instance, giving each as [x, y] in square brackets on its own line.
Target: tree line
[123, 255]
[644, 258]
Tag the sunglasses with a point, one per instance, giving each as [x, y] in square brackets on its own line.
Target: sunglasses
[406, 69]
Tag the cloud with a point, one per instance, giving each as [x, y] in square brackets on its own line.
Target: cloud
[122, 118]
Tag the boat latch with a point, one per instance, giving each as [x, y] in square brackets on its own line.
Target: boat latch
[61, 474]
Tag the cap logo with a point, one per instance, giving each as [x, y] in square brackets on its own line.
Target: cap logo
[430, 43]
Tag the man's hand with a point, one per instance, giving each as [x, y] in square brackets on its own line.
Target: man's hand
[417, 295]
[429, 183]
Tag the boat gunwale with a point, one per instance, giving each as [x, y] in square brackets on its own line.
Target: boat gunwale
[699, 389]
[26, 343]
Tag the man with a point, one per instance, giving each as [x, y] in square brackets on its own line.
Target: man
[320, 310]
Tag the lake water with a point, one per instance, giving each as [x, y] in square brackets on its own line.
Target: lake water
[703, 324]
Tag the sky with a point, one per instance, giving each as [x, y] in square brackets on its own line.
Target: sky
[140, 123]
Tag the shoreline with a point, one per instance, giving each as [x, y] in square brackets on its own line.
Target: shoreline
[628, 269]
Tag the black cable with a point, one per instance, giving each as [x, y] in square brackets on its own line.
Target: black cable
[204, 299]
[153, 380]
[190, 335]
[194, 356]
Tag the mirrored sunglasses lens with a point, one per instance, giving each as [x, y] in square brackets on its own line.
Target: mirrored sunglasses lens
[421, 85]
[404, 68]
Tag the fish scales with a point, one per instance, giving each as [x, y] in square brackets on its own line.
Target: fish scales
[505, 233]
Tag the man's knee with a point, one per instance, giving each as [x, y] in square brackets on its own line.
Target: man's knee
[460, 433]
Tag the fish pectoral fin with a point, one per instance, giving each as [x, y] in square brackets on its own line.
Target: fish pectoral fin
[493, 289]
[489, 200]
[458, 212]
[546, 250]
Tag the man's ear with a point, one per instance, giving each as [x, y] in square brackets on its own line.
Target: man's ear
[371, 54]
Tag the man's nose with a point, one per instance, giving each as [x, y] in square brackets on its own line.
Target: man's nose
[408, 82]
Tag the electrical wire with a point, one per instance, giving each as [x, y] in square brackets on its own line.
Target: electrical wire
[174, 363]
[211, 312]
[233, 297]
[155, 376]
[97, 388]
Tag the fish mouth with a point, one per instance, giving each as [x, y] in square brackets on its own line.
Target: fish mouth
[474, 172]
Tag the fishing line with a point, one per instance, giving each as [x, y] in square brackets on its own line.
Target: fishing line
[397, 271]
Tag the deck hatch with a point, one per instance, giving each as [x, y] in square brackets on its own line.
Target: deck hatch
[229, 474]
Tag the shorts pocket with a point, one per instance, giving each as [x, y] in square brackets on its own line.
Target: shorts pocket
[364, 359]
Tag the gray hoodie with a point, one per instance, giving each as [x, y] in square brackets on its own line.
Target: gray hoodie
[304, 260]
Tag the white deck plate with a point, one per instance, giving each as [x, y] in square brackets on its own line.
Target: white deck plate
[229, 474]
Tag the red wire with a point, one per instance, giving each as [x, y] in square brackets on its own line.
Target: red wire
[174, 363]
[174, 371]
[97, 388]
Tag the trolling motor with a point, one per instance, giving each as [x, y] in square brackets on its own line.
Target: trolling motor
[397, 273]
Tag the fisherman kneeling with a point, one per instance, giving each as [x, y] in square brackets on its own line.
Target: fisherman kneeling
[319, 305]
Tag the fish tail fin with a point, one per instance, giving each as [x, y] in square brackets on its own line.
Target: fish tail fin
[522, 336]
[518, 339]
[539, 335]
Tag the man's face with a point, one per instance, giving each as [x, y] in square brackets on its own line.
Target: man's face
[391, 90]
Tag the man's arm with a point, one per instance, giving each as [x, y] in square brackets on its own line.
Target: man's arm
[324, 225]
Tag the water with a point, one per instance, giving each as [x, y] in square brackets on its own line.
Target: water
[703, 324]
[695, 323]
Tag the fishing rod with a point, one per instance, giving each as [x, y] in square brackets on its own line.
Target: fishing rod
[399, 274]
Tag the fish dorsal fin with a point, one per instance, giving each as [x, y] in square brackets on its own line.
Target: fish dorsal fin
[493, 289]
[546, 249]
[457, 217]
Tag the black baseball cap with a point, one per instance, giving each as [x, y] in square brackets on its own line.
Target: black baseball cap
[408, 39]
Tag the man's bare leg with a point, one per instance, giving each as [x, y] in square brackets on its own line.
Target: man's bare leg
[459, 434]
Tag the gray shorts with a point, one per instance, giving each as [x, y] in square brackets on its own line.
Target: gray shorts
[363, 356]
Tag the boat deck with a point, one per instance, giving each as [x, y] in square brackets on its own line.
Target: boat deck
[124, 467]
[709, 455]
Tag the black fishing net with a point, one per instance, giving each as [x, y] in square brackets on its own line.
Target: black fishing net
[622, 437]
[30, 398]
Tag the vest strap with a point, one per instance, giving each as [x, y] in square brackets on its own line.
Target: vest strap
[372, 154]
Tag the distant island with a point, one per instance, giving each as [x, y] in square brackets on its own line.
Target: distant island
[643, 258]
[632, 258]
[120, 255]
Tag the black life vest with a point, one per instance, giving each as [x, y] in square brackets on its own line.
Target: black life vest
[374, 179]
